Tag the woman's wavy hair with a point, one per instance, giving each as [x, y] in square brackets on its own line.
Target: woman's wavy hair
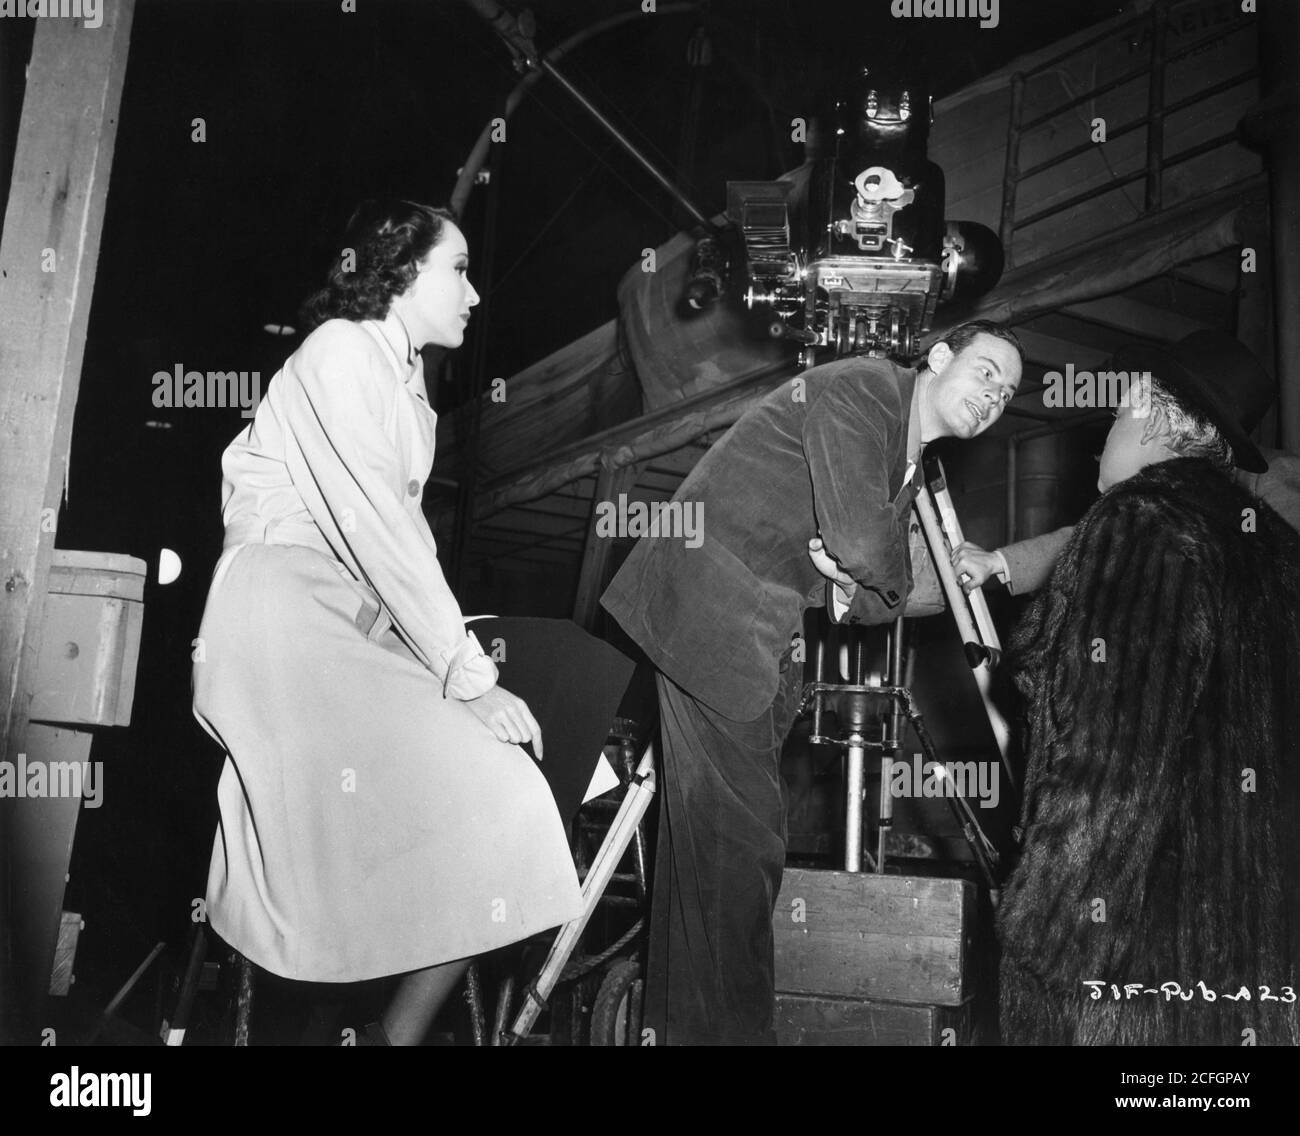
[383, 244]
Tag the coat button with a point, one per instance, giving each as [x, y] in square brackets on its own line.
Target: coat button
[891, 596]
[413, 487]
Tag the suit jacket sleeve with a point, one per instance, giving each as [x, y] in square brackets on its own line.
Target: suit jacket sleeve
[348, 474]
[846, 444]
[1030, 562]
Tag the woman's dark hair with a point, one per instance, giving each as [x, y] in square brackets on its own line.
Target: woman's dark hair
[383, 245]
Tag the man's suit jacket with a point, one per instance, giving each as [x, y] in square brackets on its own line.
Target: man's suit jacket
[825, 452]
[1030, 562]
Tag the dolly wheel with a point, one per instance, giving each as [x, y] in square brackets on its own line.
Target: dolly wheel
[616, 1012]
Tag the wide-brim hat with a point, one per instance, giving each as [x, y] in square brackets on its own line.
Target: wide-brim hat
[1213, 373]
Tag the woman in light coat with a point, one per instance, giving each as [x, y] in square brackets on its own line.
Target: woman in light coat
[378, 816]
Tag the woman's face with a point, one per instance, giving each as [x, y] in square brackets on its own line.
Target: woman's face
[435, 308]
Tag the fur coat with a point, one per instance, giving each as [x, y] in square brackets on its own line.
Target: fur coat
[1162, 673]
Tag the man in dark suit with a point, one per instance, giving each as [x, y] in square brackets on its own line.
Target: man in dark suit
[1026, 565]
[834, 454]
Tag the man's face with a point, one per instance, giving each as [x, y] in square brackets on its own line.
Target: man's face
[971, 389]
[1126, 452]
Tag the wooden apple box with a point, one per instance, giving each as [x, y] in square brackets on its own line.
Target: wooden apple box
[90, 642]
[878, 937]
[809, 1019]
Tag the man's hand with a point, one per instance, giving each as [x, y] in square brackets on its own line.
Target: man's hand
[829, 567]
[508, 717]
[974, 565]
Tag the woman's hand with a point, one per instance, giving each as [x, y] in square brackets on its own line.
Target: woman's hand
[508, 717]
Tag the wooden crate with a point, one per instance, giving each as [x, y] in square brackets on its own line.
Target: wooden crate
[90, 640]
[885, 938]
[809, 1019]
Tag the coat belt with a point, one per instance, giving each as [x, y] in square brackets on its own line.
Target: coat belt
[255, 530]
[372, 619]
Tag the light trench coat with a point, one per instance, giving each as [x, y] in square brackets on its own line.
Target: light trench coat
[370, 823]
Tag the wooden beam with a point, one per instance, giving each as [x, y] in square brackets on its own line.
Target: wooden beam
[1130, 254]
[1137, 251]
[48, 256]
[1054, 353]
[1138, 319]
[659, 432]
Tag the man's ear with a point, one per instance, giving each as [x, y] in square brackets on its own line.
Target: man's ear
[938, 357]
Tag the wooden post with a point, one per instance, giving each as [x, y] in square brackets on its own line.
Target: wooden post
[595, 555]
[1279, 38]
[48, 256]
[1156, 112]
[1255, 310]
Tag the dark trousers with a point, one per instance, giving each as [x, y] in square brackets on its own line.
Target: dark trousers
[721, 852]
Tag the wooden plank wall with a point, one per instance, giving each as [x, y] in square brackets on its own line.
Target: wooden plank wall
[973, 155]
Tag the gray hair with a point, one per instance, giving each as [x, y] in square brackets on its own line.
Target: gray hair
[1188, 432]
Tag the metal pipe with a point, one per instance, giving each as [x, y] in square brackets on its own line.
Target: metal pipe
[1086, 97]
[1138, 123]
[896, 679]
[1115, 183]
[893, 742]
[645, 163]
[819, 666]
[507, 27]
[465, 181]
[191, 983]
[856, 753]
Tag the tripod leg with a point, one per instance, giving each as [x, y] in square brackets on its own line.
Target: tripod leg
[978, 651]
[892, 742]
[180, 1022]
[980, 845]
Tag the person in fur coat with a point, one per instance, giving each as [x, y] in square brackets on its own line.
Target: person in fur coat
[1155, 898]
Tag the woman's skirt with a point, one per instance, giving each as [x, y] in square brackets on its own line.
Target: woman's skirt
[369, 826]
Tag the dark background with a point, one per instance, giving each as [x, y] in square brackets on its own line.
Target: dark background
[308, 110]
